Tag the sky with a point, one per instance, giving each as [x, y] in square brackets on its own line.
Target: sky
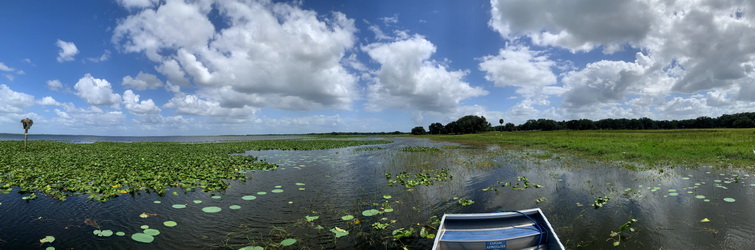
[220, 67]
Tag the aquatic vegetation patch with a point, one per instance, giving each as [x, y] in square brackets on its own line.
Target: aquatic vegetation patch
[339, 232]
[622, 235]
[600, 202]
[105, 170]
[425, 177]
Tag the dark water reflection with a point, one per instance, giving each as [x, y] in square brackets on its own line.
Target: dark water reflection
[345, 181]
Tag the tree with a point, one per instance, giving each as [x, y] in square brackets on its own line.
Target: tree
[419, 130]
[744, 122]
[436, 128]
[501, 122]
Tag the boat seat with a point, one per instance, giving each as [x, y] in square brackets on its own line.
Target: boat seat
[491, 234]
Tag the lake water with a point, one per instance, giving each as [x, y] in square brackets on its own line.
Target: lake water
[334, 183]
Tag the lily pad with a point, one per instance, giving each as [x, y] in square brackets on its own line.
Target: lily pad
[277, 191]
[103, 233]
[252, 248]
[729, 200]
[311, 218]
[699, 196]
[370, 212]
[347, 217]
[387, 196]
[261, 193]
[47, 239]
[673, 194]
[388, 210]
[234, 207]
[152, 232]
[143, 238]
[339, 232]
[170, 223]
[216, 197]
[144, 227]
[288, 242]
[302, 189]
[197, 201]
[248, 197]
[120, 233]
[705, 220]
[279, 186]
[157, 202]
[211, 209]
[179, 206]
[300, 184]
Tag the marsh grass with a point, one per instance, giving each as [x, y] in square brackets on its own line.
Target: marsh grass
[651, 148]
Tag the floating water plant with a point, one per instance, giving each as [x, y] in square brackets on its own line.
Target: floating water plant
[729, 200]
[120, 234]
[370, 212]
[300, 184]
[387, 196]
[105, 170]
[249, 197]
[170, 223]
[425, 177]
[216, 197]
[142, 237]
[152, 232]
[179, 206]
[465, 202]
[288, 242]
[261, 193]
[234, 207]
[600, 202]
[103, 233]
[347, 217]
[211, 209]
[311, 218]
[252, 248]
[157, 202]
[197, 201]
[47, 239]
[339, 232]
[277, 191]
[401, 233]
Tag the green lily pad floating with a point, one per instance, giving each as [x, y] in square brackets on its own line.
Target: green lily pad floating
[152, 232]
[672, 190]
[729, 200]
[339, 232]
[370, 212]
[179, 206]
[347, 217]
[685, 178]
[216, 197]
[142, 237]
[157, 202]
[388, 210]
[300, 184]
[175, 193]
[288, 242]
[211, 209]
[301, 189]
[197, 201]
[103, 233]
[252, 248]
[50, 248]
[248, 197]
[279, 186]
[311, 218]
[673, 194]
[277, 191]
[47, 239]
[261, 193]
[144, 227]
[387, 196]
[699, 196]
[120, 233]
[717, 181]
[170, 223]
[234, 207]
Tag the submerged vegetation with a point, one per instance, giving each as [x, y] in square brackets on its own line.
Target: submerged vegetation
[105, 170]
[651, 148]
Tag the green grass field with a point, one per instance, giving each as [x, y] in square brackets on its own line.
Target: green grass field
[650, 148]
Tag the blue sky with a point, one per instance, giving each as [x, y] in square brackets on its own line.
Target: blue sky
[152, 67]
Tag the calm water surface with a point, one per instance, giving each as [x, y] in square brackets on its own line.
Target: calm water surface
[338, 182]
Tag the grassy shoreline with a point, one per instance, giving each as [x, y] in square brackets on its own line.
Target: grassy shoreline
[651, 148]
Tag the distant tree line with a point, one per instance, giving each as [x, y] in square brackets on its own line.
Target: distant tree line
[475, 124]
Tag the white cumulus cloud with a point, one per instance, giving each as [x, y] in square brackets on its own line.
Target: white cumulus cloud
[274, 54]
[143, 81]
[67, 50]
[14, 102]
[518, 66]
[407, 78]
[96, 91]
[133, 105]
[48, 101]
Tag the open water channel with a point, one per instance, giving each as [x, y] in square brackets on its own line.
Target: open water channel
[307, 198]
